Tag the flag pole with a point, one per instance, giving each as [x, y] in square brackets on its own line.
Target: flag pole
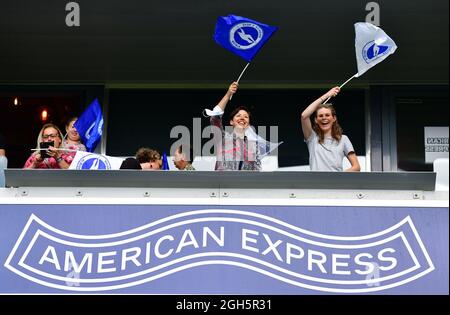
[248, 64]
[343, 84]
[240, 76]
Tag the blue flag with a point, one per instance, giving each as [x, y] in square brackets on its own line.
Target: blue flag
[165, 163]
[242, 36]
[89, 125]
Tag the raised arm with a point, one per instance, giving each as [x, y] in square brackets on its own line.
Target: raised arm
[231, 90]
[305, 118]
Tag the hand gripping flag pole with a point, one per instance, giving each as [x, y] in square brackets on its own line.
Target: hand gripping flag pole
[341, 86]
[372, 46]
[240, 76]
[242, 36]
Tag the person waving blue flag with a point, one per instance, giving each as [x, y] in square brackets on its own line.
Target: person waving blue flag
[242, 36]
[89, 125]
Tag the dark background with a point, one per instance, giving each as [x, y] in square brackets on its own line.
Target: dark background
[160, 41]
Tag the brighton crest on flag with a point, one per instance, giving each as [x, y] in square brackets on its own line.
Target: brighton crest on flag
[372, 46]
[89, 125]
[242, 36]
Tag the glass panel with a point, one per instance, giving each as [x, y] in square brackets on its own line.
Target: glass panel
[145, 117]
[413, 114]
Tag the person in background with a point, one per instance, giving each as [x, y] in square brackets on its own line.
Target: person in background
[146, 159]
[183, 157]
[72, 140]
[236, 152]
[130, 163]
[3, 161]
[50, 157]
[327, 145]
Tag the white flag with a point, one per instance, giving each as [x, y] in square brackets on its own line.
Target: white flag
[264, 147]
[217, 111]
[91, 161]
[372, 45]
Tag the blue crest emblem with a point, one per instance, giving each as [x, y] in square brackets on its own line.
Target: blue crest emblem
[93, 162]
[245, 35]
[372, 51]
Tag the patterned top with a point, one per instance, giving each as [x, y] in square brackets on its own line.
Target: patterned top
[234, 153]
[51, 162]
[71, 146]
[48, 162]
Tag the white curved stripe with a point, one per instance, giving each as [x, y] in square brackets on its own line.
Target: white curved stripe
[275, 267]
[19, 240]
[87, 134]
[219, 254]
[214, 219]
[220, 262]
[405, 220]
[422, 246]
[39, 221]
[209, 211]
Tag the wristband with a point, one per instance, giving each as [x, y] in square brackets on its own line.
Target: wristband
[59, 159]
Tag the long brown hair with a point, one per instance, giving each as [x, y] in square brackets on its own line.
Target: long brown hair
[336, 130]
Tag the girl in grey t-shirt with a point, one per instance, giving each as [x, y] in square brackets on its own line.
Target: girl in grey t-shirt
[326, 144]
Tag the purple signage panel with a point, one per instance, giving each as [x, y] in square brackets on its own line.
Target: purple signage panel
[165, 249]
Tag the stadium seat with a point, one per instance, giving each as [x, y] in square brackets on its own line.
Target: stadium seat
[204, 163]
[345, 165]
[362, 162]
[440, 167]
[269, 163]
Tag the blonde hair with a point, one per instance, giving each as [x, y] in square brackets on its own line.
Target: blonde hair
[46, 126]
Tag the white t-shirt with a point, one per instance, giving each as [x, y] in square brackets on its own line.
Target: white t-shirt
[327, 156]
